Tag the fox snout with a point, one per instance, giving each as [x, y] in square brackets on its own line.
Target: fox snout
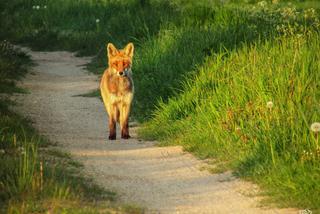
[124, 72]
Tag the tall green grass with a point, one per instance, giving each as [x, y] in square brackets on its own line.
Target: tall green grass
[251, 110]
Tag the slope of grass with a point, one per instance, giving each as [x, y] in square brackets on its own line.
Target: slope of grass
[251, 110]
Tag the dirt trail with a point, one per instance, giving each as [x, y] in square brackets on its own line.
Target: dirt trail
[164, 180]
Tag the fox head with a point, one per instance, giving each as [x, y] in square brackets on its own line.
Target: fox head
[120, 61]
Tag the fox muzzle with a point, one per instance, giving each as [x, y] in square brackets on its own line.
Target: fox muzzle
[124, 73]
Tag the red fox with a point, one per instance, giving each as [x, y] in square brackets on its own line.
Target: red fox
[117, 89]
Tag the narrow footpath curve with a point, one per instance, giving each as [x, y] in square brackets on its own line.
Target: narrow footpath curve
[162, 179]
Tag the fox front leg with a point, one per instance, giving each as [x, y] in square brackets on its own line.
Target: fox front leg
[113, 117]
[124, 121]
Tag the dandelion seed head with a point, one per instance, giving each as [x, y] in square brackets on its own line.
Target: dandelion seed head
[37, 7]
[315, 127]
[262, 3]
[269, 104]
[97, 20]
[45, 7]
[33, 7]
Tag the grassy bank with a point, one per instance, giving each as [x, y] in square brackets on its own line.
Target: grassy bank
[236, 81]
[34, 178]
[251, 110]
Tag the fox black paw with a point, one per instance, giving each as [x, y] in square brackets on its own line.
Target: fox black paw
[125, 136]
[112, 137]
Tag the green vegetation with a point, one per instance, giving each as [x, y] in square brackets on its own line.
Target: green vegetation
[236, 81]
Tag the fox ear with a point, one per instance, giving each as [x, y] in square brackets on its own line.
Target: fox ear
[111, 49]
[128, 50]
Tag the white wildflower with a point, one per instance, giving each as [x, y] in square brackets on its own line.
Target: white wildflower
[97, 20]
[315, 127]
[33, 7]
[37, 7]
[45, 7]
[269, 105]
[2, 151]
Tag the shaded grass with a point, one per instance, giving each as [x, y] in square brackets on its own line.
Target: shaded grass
[72, 25]
[13, 66]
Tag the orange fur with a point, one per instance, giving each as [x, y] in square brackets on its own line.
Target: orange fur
[117, 88]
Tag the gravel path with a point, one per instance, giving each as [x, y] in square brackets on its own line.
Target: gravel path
[161, 179]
